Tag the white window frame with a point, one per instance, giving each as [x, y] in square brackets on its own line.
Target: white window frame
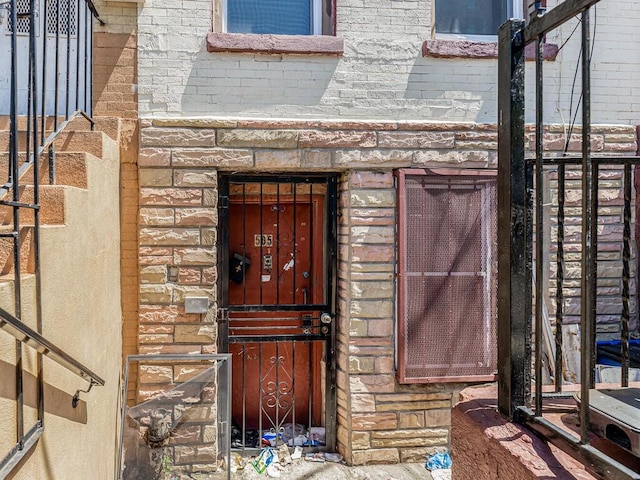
[516, 12]
[316, 14]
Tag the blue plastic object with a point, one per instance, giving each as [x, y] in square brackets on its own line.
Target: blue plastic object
[438, 461]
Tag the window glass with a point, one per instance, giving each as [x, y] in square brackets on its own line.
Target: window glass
[470, 17]
[284, 17]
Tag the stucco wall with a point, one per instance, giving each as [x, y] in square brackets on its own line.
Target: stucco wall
[81, 314]
[382, 74]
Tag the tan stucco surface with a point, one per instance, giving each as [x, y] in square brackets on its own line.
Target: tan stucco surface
[81, 314]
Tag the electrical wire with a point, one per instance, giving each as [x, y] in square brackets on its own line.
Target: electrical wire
[575, 77]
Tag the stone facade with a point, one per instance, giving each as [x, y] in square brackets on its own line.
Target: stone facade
[379, 420]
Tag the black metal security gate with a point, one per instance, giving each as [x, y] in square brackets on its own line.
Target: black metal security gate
[277, 258]
[521, 229]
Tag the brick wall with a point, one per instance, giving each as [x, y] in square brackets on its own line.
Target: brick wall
[378, 419]
[382, 74]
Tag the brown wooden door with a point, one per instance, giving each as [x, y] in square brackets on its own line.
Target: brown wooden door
[277, 292]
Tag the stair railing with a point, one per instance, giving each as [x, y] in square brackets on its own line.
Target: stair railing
[66, 70]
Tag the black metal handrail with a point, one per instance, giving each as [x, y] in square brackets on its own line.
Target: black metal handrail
[63, 27]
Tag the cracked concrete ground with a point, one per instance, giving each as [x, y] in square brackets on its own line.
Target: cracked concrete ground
[301, 469]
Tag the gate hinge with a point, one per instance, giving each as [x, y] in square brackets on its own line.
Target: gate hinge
[223, 202]
[223, 315]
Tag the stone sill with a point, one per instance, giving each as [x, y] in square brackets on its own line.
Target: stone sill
[468, 49]
[275, 44]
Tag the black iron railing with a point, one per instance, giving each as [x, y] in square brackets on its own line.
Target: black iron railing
[57, 34]
[522, 227]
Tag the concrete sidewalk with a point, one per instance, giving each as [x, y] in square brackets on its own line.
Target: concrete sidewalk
[302, 469]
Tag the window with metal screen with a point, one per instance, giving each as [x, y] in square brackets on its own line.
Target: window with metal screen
[23, 12]
[447, 275]
[60, 19]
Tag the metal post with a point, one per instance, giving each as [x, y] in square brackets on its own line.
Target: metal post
[514, 263]
[587, 306]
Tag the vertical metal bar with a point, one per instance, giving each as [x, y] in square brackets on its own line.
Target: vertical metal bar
[277, 402]
[56, 83]
[311, 386]
[626, 255]
[278, 244]
[91, 69]
[588, 273]
[87, 18]
[312, 278]
[243, 357]
[43, 112]
[36, 211]
[293, 388]
[260, 379]
[68, 72]
[539, 233]
[558, 372]
[261, 233]
[13, 155]
[295, 238]
[244, 241]
[514, 270]
[77, 54]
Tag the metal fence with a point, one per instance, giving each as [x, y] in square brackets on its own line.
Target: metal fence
[521, 230]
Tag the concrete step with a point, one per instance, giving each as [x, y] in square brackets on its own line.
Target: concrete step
[69, 141]
[70, 169]
[108, 125]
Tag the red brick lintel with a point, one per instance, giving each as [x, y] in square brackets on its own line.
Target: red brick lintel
[274, 44]
[468, 49]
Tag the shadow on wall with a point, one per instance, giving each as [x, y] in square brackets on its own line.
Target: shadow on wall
[455, 89]
[256, 84]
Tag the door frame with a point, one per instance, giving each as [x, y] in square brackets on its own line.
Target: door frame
[331, 265]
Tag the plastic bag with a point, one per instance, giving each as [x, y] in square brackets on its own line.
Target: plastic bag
[438, 461]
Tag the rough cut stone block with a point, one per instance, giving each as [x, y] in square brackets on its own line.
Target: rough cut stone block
[364, 290]
[408, 442]
[154, 157]
[360, 440]
[361, 364]
[190, 454]
[369, 180]
[373, 198]
[196, 216]
[278, 159]
[371, 309]
[258, 138]
[419, 455]
[374, 421]
[451, 157]
[213, 157]
[177, 137]
[371, 253]
[194, 334]
[153, 274]
[363, 403]
[155, 177]
[154, 374]
[375, 456]
[411, 420]
[156, 216]
[155, 293]
[416, 140]
[194, 122]
[195, 178]
[169, 236]
[336, 139]
[372, 383]
[194, 256]
[315, 159]
[170, 196]
[373, 158]
[372, 234]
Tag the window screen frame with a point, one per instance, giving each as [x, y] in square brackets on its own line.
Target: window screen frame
[318, 26]
[402, 290]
